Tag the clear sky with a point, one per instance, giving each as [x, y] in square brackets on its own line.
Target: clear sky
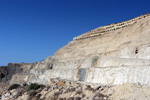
[31, 30]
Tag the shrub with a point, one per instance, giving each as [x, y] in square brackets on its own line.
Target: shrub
[14, 86]
[38, 97]
[33, 86]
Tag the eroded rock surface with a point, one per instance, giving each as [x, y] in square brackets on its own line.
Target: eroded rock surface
[14, 73]
[68, 90]
[119, 56]
[109, 62]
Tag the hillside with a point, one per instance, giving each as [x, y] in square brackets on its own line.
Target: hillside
[111, 62]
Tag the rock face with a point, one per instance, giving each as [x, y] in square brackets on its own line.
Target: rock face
[9, 74]
[113, 54]
[14, 73]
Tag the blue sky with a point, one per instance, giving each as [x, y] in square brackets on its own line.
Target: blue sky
[31, 30]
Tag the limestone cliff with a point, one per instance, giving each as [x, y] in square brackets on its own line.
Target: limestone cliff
[113, 54]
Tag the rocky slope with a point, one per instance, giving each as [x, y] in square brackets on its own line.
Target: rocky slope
[108, 63]
[69, 90]
[14, 73]
[116, 56]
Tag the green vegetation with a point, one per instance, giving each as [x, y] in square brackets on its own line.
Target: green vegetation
[14, 86]
[38, 97]
[33, 86]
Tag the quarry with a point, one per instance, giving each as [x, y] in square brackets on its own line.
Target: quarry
[111, 62]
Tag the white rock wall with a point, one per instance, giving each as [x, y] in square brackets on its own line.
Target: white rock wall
[122, 56]
[119, 75]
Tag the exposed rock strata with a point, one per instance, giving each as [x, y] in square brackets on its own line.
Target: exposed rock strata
[119, 59]
[14, 73]
[112, 27]
[121, 56]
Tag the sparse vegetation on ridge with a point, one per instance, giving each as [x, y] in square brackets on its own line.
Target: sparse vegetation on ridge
[33, 86]
[14, 86]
